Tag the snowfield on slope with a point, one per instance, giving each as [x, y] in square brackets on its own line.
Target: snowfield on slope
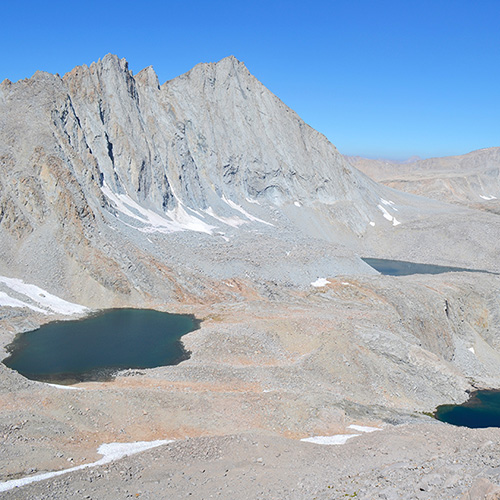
[48, 303]
[110, 452]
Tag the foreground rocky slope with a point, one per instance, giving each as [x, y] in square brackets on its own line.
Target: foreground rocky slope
[376, 351]
[408, 462]
[207, 195]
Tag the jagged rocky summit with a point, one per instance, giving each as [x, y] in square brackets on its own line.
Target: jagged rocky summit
[116, 189]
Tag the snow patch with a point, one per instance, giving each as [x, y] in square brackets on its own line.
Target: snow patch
[488, 197]
[361, 428]
[329, 440]
[320, 282]
[471, 349]
[230, 221]
[66, 387]
[240, 209]
[372, 223]
[115, 451]
[297, 204]
[388, 216]
[50, 303]
[180, 220]
[110, 452]
[8, 301]
[388, 203]
[385, 213]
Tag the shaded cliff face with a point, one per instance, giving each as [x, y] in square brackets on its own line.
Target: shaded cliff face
[117, 190]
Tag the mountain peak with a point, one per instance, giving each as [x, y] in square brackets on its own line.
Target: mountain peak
[231, 62]
[148, 77]
[230, 59]
[226, 67]
[110, 60]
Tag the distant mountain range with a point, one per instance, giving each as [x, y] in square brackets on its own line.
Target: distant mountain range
[472, 178]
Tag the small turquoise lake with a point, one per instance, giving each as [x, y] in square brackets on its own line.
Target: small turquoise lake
[96, 347]
[481, 410]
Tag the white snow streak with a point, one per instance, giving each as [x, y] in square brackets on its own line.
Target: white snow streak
[320, 282]
[230, 221]
[385, 213]
[388, 203]
[488, 197]
[180, 220]
[8, 301]
[240, 209]
[361, 428]
[329, 440]
[340, 438]
[66, 387]
[47, 301]
[110, 452]
[177, 219]
[388, 216]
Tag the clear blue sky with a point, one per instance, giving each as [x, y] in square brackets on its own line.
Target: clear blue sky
[379, 78]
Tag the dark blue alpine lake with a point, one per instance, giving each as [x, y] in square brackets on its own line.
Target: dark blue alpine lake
[481, 410]
[95, 347]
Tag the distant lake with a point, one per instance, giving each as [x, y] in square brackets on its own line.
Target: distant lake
[403, 268]
[481, 410]
[95, 347]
